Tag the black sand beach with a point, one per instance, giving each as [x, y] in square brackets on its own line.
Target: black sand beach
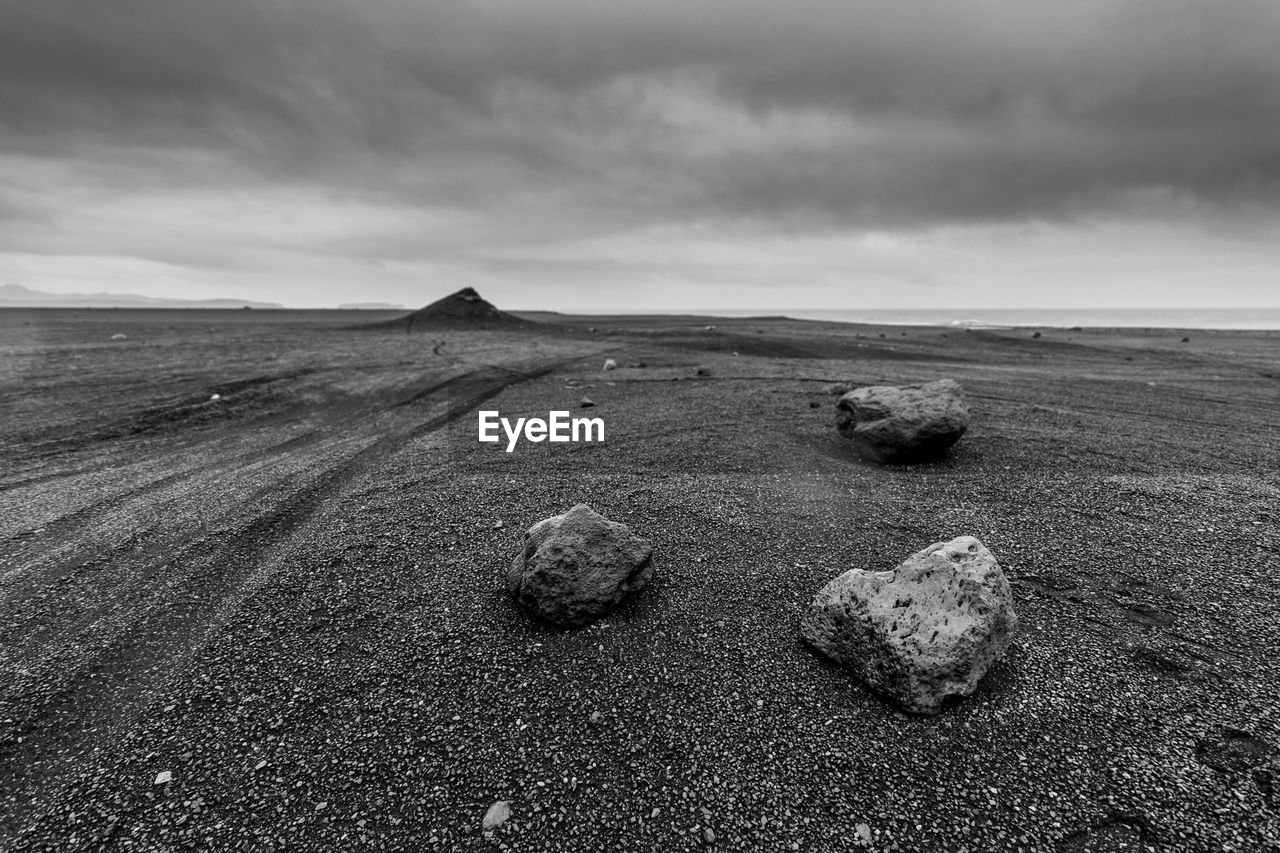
[290, 599]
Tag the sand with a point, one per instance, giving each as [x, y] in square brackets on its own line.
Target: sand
[291, 599]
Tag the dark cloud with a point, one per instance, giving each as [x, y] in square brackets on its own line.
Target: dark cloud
[586, 116]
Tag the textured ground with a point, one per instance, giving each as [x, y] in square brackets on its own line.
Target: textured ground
[290, 599]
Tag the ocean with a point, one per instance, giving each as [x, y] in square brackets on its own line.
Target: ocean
[1159, 318]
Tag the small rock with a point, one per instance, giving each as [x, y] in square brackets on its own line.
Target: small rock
[814, 404]
[119, 337]
[497, 525]
[709, 835]
[864, 832]
[702, 371]
[321, 806]
[1186, 340]
[496, 816]
[215, 398]
[164, 777]
[1036, 335]
[596, 718]
[259, 765]
[929, 629]
[586, 403]
[902, 425]
[610, 364]
[577, 566]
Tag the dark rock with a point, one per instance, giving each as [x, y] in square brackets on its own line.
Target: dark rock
[577, 566]
[907, 424]
[926, 630]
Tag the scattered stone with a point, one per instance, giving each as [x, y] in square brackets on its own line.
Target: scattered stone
[900, 425]
[610, 364]
[1186, 340]
[119, 337]
[709, 834]
[929, 629]
[496, 816]
[864, 832]
[702, 371]
[497, 525]
[1035, 335]
[587, 403]
[215, 398]
[164, 777]
[577, 566]
[596, 718]
[710, 328]
[814, 404]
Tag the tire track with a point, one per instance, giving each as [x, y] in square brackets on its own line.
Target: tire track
[75, 692]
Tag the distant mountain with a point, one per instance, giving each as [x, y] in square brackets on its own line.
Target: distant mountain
[17, 296]
[464, 309]
[370, 306]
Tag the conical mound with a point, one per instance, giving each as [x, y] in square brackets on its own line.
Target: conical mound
[465, 309]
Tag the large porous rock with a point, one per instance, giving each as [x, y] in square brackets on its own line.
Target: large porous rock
[926, 630]
[907, 424]
[577, 566]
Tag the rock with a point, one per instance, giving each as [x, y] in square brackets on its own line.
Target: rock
[119, 337]
[900, 425]
[496, 816]
[215, 398]
[814, 404]
[864, 832]
[577, 566]
[929, 629]
[702, 371]
[610, 364]
[587, 403]
[709, 835]
[1036, 335]
[164, 777]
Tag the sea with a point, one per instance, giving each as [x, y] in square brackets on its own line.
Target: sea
[1155, 318]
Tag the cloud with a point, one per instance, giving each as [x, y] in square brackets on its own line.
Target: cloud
[438, 128]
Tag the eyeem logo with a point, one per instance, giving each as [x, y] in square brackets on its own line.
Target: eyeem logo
[557, 427]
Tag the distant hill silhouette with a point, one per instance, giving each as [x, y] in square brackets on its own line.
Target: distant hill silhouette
[465, 309]
[17, 296]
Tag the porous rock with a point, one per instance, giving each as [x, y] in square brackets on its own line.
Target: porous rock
[905, 424]
[577, 566]
[929, 629]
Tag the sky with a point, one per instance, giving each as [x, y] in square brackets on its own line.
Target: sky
[597, 155]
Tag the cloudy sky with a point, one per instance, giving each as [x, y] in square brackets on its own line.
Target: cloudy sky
[669, 154]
